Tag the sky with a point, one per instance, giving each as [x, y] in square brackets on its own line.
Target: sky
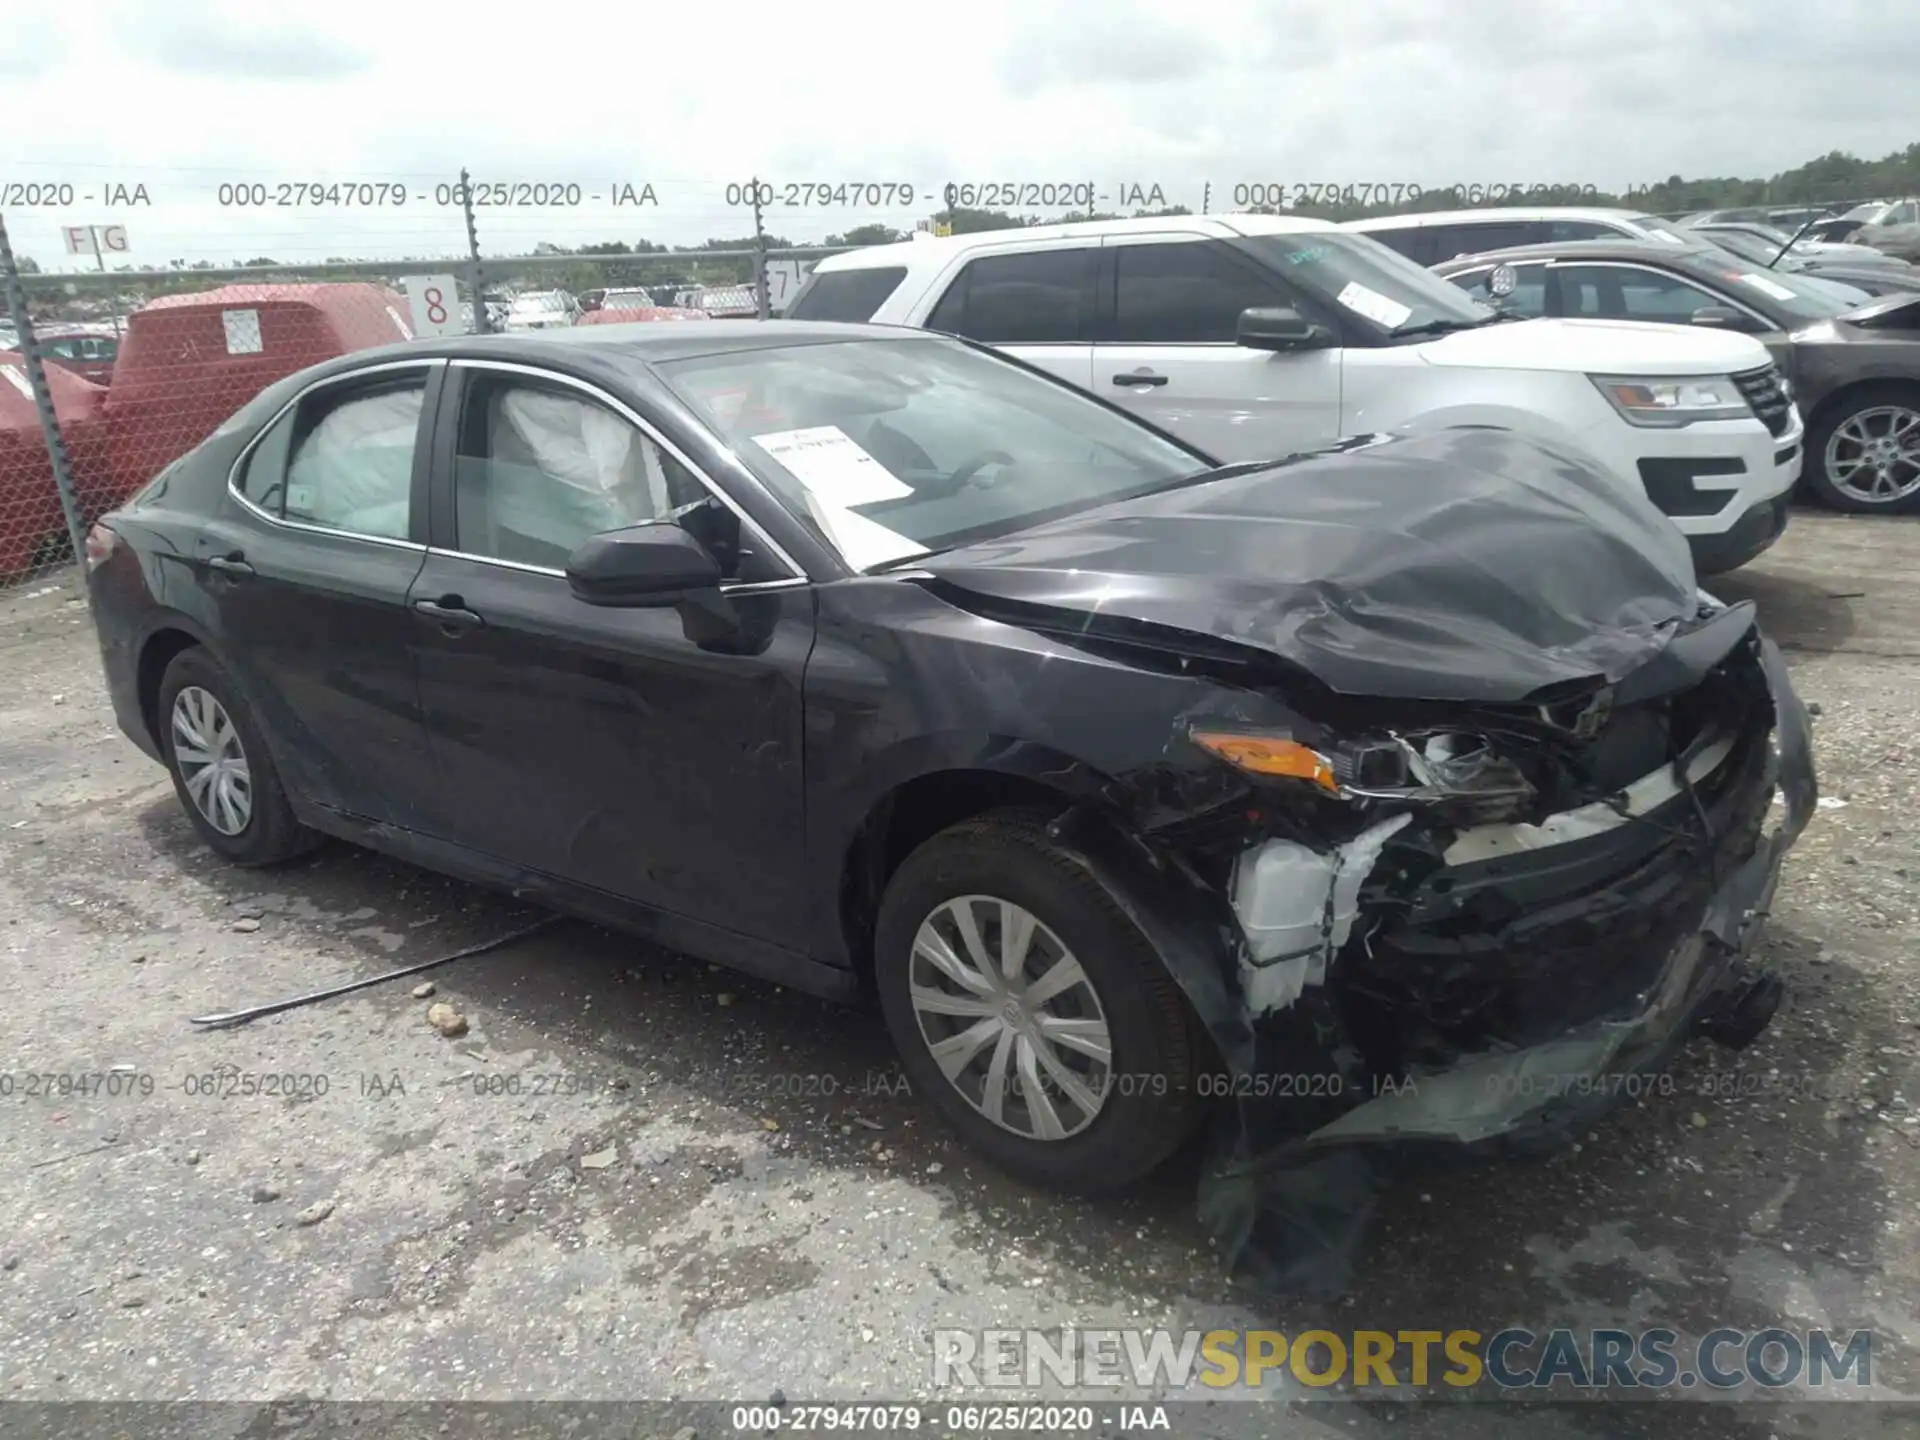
[187, 96]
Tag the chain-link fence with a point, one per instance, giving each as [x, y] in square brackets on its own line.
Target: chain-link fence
[111, 370]
[109, 375]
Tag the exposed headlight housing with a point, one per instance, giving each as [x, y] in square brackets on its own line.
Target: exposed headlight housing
[1670, 401]
[1431, 767]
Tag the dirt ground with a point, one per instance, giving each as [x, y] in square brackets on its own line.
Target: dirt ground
[629, 1179]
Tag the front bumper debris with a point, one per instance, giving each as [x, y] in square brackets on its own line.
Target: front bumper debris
[1296, 1169]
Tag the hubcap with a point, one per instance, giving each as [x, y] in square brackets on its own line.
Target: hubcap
[213, 766]
[1874, 455]
[1010, 1017]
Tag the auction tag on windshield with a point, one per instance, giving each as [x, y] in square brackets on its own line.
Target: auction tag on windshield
[1768, 287]
[1381, 309]
[828, 462]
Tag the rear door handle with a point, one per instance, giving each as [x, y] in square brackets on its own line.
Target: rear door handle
[232, 566]
[1141, 378]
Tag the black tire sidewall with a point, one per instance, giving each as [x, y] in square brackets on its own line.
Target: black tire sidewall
[1821, 432]
[271, 833]
[1137, 1127]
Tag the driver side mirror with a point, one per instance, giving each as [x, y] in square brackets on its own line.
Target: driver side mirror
[655, 564]
[1722, 317]
[1280, 328]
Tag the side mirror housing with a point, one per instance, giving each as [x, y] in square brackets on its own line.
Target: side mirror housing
[653, 564]
[1280, 328]
[1721, 317]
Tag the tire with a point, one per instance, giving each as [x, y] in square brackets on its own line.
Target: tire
[269, 833]
[1147, 1106]
[1873, 406]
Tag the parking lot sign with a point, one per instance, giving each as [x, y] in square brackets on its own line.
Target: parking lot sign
[435, 302]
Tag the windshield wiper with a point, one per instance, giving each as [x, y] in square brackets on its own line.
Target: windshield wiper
[1222, 472]
[904, 560]
[1445, 326]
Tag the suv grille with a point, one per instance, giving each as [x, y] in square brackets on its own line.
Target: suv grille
[1763, 392]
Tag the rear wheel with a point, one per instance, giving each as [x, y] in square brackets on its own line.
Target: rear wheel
[221, 770]
[1030, 1011]
[1863, 457]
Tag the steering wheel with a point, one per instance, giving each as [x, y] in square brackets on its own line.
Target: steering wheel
[967, 469]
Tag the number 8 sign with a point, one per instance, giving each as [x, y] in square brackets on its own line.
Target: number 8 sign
[435, 302]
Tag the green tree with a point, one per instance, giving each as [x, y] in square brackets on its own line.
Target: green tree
[868, 235]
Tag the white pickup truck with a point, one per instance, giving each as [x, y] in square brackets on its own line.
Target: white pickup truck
[1253, 336]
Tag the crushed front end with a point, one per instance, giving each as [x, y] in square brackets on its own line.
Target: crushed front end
[1472, 927]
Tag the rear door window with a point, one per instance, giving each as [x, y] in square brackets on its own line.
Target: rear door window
[846, 295]
[351, 467]
[1529, 295]
[1475, 237]
[1039, 297]
[1413, 241]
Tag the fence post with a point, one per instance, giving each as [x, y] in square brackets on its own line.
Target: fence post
[476, 276]
[760, 299]
[42, 397]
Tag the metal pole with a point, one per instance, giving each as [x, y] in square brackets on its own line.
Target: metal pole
[760, 300]
[42, 397]
[1206, 198]
[477, 276]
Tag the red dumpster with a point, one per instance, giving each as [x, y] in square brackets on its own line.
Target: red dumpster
[189, 361]
[33, 530]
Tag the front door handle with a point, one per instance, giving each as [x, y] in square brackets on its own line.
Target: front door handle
[1140, 378]
[450, 614]
[231, 566]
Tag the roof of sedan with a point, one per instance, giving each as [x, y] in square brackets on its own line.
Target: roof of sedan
[1587, 250]
[654, 341]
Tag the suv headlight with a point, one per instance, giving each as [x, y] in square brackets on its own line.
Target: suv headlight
[1670, 401]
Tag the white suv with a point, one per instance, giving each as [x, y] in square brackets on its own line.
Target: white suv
[1255, 336]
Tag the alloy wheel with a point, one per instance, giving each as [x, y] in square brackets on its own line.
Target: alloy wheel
[211, 760]
[1874, 454]
[1010, 1017]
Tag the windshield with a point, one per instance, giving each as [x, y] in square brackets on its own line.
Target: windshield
[1738, 242]
[1361, 277]
[892, 448]
[1792, 294]
[542, 301]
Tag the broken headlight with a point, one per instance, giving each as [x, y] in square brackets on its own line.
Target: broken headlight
[1428, 767]
[1439, 765]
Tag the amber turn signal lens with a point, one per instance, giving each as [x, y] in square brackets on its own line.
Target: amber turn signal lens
[1270, 755]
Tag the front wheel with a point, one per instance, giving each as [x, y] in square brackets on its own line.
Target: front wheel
[1031, 1012]
[1863, 456]
[221, 770]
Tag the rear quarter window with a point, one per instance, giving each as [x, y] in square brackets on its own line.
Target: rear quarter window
[846, 295]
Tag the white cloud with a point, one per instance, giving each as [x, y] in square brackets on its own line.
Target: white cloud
[185, 95]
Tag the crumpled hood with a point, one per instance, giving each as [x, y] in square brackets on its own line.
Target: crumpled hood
[1468, 565]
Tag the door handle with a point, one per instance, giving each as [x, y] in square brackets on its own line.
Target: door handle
[1140, 378]
[231, 566]
[450, 614]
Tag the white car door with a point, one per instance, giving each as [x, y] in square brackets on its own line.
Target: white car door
[1166, 351]
[1032, 300]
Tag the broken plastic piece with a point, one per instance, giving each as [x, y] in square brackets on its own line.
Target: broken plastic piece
[1297, 907]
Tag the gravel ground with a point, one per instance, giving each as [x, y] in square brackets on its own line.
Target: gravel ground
[628, 1178]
